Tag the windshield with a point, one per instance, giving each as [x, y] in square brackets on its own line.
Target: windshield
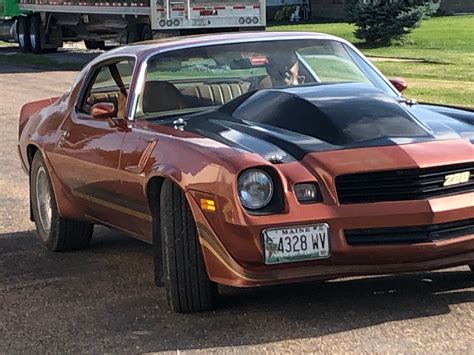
[199, 78]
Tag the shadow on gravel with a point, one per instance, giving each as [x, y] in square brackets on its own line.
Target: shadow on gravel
[103, 299]
[14, 61]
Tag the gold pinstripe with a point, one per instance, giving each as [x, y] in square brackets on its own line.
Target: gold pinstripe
[112, 205]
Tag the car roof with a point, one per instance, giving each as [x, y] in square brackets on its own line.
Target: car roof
[144, 49]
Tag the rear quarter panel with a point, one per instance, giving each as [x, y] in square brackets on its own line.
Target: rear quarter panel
[39, 122]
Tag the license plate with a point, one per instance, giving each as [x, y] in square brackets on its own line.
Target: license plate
[297, 243]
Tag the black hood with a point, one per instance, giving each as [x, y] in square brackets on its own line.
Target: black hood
[295, 121]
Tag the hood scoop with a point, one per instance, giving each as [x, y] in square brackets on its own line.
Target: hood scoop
[290, 123]
[339, 114]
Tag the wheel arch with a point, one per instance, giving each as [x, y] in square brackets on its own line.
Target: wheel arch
[153, 191]
[154, 184]
[65, 205]
[31, 150]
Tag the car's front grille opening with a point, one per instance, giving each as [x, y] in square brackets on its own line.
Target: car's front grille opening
[409, 235]
[403, 185]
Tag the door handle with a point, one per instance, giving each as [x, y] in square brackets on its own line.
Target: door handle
[62, 136]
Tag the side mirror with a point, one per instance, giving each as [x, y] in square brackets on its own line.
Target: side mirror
[399, 83]
[103, 110]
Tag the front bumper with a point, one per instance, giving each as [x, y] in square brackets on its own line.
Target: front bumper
[233, 253]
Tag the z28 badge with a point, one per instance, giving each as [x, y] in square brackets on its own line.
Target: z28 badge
[456, 179]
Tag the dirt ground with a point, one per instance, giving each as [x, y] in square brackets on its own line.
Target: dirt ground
[103, 299]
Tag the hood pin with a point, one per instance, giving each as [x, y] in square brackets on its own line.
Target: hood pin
[179, 124]
[276, 159]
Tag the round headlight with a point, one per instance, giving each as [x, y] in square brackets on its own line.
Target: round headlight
[255, 189]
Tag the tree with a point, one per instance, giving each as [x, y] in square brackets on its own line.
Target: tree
[379, 22]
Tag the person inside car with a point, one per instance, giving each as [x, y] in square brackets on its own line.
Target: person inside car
[282, 70]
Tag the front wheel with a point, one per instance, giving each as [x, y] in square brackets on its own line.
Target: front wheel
[55, 232]
[188, 288]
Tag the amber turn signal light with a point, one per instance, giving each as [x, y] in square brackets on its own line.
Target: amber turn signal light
[208, 205]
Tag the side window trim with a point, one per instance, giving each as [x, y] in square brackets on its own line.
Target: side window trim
[91, 76]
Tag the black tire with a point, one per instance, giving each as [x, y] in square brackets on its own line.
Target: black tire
[103, 47]
[188, 288]
[147, 33]
[132, 36]
[63, 234]
[91, 44]
[36, 35]
[23, 31]
[472, 267]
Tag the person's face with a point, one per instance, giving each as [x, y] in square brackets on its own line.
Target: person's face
[291, 77]
[284, 76]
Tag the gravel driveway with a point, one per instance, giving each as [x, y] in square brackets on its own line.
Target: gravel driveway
[103, 299]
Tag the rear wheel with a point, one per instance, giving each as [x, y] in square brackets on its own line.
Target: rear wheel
[188, 288]
[132, 35]
[91, 44]
[24, 34]
[35, 34]
[55, 232]
[147, 33]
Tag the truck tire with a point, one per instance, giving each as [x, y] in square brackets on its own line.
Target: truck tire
[188, 288]
[91, 44]
[55, 232]
[132, 36]
[24, 34]
[35, 34]
[102, 46]
[147, 33]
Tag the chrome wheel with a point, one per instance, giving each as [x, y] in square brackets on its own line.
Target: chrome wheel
[21, 35]
[33, 40]
[43, 200]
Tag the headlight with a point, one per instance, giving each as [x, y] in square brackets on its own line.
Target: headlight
[255, 188]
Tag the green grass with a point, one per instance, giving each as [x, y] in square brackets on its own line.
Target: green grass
[343, 30]
[442, 49]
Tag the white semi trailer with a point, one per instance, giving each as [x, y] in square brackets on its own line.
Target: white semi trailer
[43, 25]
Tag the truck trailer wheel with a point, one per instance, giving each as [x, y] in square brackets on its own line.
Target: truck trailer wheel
[35, 34]
[91, 44]
[132, 36]
[147, 33]
[24, 34]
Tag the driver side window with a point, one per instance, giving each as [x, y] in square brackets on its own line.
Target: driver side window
[109, 86]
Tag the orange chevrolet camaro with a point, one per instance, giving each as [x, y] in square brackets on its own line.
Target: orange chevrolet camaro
[252, 159]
